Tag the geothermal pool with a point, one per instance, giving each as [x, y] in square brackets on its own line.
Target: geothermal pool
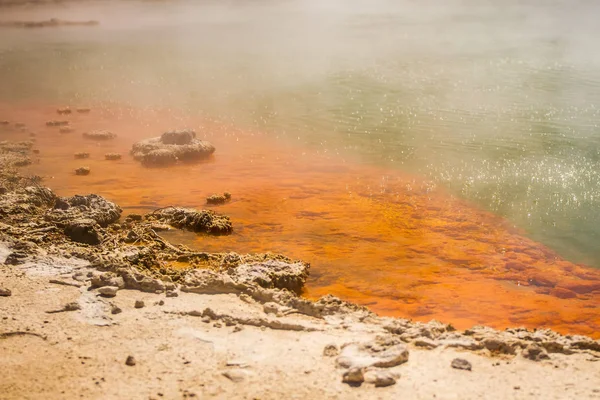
[428, 162]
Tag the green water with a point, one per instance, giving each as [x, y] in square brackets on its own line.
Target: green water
[497, 100]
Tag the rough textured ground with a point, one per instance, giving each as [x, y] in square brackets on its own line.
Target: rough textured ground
[82, 353]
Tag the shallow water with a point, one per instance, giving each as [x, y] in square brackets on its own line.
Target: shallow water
[494, 103]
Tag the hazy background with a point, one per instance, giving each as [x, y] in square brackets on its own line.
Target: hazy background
[497, 100]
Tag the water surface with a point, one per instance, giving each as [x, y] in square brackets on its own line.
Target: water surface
[495, 102]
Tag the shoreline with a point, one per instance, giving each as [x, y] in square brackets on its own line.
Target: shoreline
[441, 258]
[221, 330]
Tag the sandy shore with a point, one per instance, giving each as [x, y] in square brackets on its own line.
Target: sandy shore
[83, 353]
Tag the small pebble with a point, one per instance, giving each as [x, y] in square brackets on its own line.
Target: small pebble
[116, 310]
[130, 361]
[5, 292]
[139, 304]
[461, 363]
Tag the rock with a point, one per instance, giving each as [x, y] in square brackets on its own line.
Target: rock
[112, 156]
[216, 199]
[130, 361]
[353, 376]
[170, 148]
[99, 135]
[82, 171]
[134, 217]
[236, 375]
[83, 110]
[144, 283]
[380, 378]
[193, 220]
[107, 279]
[238, 328]
[57, 123]
[64, 111]
[206, 319]
[108, 291]
[272, 274]
[461, 363]
[178, 137]
[66, 129]
[115, 310]
[425, 343]
[159, 158]
[499, 345]
[535, 352]
[382, 353]
[81, 155]
[84, 230]
[172, 293]
[73, 306]
[4, 292]
[91, 206]
[331, 350]
[139, 304]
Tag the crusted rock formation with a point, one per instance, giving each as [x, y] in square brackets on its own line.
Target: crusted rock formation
[171, 147]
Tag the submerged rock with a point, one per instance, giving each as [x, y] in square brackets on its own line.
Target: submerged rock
[218, 198]
[66, 129]
[64, 111]
[193, 220]
[112, 156]
[82, 171]
[170, 148]
[81, 155]
[57, 123]
[83, 110]
[99, 135]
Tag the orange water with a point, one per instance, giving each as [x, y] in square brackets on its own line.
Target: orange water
[378, 237]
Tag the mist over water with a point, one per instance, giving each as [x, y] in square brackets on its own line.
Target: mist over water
[496, 100]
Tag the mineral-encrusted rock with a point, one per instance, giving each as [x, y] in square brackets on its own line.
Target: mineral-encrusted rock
[461, 363]
[99, 135]
[380, 378]
[81, 155]
[64, 111]
[92, 206]
[170, 148]
[383, 353]
[84, 230]
[204, 281]
[535, 352]
[137, 281]
[353, 376]
[197, 221]
[273, 274]
[107, 279]
[217, 199]
[158, 158]
[108, 291]
[82, 171]
[112, 156]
